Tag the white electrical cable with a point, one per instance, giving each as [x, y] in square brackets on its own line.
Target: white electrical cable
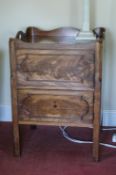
[65, 134]
[108, 129]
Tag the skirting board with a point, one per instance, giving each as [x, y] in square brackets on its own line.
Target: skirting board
[5, 113]
[108, 119]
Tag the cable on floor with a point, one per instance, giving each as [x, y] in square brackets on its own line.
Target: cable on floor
[66, 135]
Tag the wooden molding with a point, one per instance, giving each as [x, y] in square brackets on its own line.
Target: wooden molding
[99, 32]
[34, 34]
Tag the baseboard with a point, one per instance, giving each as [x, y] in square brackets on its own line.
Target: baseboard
[109, 116]
[5, 113]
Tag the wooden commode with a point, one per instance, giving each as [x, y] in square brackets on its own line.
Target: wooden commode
[56, 80]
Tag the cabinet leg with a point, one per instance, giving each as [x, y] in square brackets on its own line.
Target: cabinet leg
[96, 151]
[16, 135]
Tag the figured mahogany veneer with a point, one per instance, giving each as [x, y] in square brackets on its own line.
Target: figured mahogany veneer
[56, 80]
[55, 69]
[56, 109]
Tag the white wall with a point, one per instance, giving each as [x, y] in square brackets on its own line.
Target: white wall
[47, 14]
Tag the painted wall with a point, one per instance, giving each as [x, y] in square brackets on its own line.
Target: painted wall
[47, 14]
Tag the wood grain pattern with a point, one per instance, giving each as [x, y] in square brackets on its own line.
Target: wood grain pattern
[56, 68]
[56, 80]
[55, 108]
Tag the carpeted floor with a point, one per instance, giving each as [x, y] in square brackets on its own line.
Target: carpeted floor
[46, 152]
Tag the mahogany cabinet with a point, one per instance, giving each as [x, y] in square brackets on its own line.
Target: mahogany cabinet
[56, 80]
